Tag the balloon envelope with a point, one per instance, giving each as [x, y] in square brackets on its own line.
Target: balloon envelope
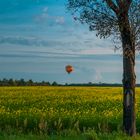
[69, 68]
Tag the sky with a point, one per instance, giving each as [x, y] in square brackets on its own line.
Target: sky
[38, 38]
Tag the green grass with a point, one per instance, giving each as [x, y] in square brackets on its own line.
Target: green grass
[90, 135]
[56, 111]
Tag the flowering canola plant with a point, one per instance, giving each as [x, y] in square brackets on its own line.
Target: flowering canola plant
[56, 108]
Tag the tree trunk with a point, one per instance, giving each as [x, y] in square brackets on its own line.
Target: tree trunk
[129, 79]
[129, 117]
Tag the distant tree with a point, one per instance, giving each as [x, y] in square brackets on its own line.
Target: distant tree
[121, 19]
[5, 82]
[11, 82]
[48, 83]
[30, 82]
[43, 83]
[89, 83]
[21, 82]
[66, 84]
[16, 82]
[54, 83]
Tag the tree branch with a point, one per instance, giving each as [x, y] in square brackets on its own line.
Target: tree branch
[120, 3]
[128, 3]
[112, 5]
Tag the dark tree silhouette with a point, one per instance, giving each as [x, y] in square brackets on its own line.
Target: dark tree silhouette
[54, 83]
[30, 82]
[120, 19]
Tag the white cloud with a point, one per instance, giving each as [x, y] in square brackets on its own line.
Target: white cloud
[45, 9]
[46, 17]
[98, 76]
[97, 50]
[29, 41]
[60, 20]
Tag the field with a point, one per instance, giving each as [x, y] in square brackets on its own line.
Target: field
[63, 111]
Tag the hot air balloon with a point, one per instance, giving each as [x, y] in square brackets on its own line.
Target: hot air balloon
[69, 69]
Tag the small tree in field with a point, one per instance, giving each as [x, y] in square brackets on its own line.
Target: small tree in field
[120, 18]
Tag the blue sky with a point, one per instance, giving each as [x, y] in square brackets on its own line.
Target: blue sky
[38, 38]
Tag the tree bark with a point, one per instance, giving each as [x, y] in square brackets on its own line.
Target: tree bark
[129, 80]
[129, 117]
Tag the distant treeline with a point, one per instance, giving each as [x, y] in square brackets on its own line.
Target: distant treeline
[22, 82]
[96, 84]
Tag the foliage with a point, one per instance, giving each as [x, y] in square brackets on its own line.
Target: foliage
[22, 82]
[107, 17]
[120, 18]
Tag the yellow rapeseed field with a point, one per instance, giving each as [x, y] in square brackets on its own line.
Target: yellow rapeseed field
[56, 108]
